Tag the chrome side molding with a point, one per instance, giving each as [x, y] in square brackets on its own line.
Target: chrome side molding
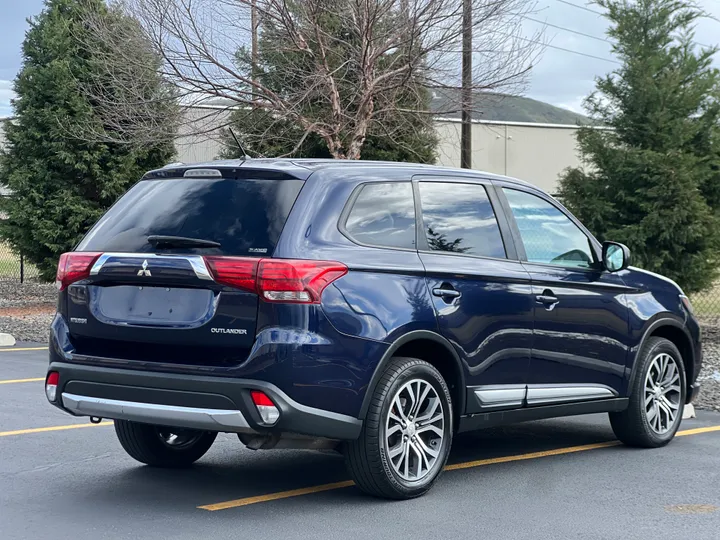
[510, 396]
[561, 393]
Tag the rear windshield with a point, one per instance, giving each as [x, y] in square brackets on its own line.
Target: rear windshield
[245, 216]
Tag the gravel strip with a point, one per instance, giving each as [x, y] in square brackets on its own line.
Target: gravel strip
[35, 327]
[14, 294]
[709, 378]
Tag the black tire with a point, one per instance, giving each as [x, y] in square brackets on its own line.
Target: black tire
[146, 443]
[367, 458]
[632, 426]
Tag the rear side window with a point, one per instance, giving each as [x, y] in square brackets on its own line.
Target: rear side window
[245, 216]
[383, 214]
[458, 218]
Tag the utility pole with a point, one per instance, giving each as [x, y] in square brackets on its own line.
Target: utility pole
[466, 92]
[254, 45]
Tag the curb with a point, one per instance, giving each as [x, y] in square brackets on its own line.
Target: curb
[6, 340]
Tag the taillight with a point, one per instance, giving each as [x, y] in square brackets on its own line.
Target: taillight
[265, 407]
[73, 267]
[281, 280]
[51, 385]
[277, 280]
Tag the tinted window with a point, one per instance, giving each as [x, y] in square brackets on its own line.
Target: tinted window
[459, 218]
[245, 216]
[383, 215]
[549, 235]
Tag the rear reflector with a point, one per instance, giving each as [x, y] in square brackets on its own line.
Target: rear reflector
[73, 267]
[264, 405]
[277, 280]
[51, 385]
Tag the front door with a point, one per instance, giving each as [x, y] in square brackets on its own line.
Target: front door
[482, 294]
[580, 342]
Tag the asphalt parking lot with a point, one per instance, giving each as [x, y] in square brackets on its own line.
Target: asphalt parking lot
[65, 478]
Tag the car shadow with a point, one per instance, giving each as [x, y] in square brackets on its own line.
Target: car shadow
[231, 472]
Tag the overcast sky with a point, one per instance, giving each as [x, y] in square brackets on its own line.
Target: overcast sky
[562, 78]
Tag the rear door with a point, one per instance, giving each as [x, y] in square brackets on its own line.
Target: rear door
[481, 292]
[580, 341]
[163, 251]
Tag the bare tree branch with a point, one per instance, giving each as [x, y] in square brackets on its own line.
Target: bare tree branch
[347, 63]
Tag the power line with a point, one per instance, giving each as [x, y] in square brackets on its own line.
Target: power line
[570, 50]
[582, 7]
[567, 29]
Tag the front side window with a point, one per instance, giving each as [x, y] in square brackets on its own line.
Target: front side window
[458, 218]
[383, 215]
[549, 236]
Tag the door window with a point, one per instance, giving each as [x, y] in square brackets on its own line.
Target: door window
[383, 215]
[549, 236]
[458, 218]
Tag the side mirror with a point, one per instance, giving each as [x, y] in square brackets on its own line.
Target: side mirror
[615, 256]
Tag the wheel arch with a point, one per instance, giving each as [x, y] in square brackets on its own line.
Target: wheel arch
[674, 331]
[432, 348]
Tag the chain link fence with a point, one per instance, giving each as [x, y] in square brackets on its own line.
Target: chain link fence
[707, 303]
[14, 267]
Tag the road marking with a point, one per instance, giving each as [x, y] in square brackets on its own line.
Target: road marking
[692, 508]
[51, 428]
[532, 455]
[697, 431]
[24, 349]
[275, 496]
[454, 467]
[13, 381]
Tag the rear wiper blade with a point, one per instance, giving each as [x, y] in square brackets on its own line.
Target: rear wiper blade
[180, 241]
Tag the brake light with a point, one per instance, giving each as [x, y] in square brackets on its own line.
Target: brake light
[277, 280]
[51, 385]
[73, 267]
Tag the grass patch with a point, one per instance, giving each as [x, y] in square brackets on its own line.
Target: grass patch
[10, 265]
[707, 303]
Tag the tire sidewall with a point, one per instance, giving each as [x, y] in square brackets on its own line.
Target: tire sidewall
[638, 398]
[427, 373]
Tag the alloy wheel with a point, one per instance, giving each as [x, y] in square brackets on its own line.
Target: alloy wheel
[414, 430]
[662, 393]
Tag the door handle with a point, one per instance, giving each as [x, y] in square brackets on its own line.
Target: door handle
[547, 299]
[446, 293]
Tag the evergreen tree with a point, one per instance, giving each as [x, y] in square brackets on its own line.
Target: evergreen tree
[399, 131]
[651, 181]
[61, 184]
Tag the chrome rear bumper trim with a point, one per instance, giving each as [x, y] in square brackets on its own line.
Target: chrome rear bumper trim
[151, 413]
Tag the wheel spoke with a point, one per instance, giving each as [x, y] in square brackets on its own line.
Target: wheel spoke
[673, 388]
[397, 428]
[395, 451]
[425, 448]
[398, 406]
[669, 404]
[430, 411]
[423, 462]
[431, 427]
[425, 391]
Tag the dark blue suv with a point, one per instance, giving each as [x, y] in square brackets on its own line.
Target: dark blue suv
[376, 308]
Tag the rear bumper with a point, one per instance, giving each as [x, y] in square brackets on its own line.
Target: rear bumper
[208, 403]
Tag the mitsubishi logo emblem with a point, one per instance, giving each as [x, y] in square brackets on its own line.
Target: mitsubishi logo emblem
[144, 271]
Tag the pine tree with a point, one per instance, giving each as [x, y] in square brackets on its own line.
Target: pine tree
[399, 131]
[651, 181]
[61, 184]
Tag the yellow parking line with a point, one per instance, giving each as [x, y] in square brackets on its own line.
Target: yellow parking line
[275, 496]
[51, 428]
[454, 467]
[24, 349]
[13, 381]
